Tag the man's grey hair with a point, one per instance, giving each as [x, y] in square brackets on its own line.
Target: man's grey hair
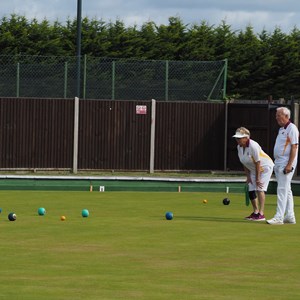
[284, 110]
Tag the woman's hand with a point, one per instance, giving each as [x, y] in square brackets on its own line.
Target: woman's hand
[248, 180]
[259, 184]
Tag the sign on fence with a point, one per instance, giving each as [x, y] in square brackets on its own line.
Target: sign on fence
[141, 109]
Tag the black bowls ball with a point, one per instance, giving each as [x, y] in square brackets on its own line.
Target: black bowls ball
[226, 201]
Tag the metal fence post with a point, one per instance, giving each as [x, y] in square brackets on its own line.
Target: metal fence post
[18, 80]
[224, 72]
[84, 76]
[225, 78]
[113, 80]
[66, 80]
[167, 81]
[78, 47]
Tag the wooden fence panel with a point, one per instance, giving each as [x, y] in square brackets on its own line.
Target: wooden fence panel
[189, 136]
[36, 133]
[113, 136]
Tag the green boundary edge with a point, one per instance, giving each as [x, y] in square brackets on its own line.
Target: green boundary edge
[144, 185]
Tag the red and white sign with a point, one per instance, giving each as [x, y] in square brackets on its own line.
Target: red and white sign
[141, 109]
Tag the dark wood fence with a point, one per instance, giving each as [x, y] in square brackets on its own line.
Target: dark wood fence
[189, 136]
[115, 135]
[36, 133]
[112, 136]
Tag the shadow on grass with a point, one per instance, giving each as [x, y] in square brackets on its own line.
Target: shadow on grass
[216, 219]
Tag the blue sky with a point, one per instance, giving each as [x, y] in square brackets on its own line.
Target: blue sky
[267, 14]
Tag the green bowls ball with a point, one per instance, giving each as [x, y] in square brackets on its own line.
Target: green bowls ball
[41, 211]
[85, 213]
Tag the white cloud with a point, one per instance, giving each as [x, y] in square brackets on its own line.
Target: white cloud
[260, 20]
[236, 13]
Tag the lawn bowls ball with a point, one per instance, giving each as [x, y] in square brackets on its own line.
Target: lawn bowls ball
[85, 213]
[204, 201]
[226, 201]
[169, 215]
[0, 210]
[63, 218]
[41, 211]
[12, 217]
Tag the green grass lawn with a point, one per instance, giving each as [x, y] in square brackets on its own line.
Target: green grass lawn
[126, 249]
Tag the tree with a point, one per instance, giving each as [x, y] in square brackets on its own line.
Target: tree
[225, 40]
[68, 37]
[249, 64]
[286, 78]
[14, 35]
[149, 41]
[172, 40]
[44, 39]
[200, 42]
[284, 62]
[259, 65]
[116, 37]
[94, 38]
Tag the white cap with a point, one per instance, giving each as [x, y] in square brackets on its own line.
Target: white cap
[239, 135]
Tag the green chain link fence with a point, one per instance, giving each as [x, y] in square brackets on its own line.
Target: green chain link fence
[116, 79]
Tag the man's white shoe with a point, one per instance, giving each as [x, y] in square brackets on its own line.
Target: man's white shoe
[287, 220]
[275, 221]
